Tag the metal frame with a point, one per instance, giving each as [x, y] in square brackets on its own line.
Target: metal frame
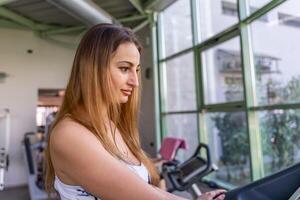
[3, 2]
[141, 26]
[138, 5]
[257, 169]
[157, 99]
[14, 20]
[132, 18]
[161, 72]
[249, 105]
[6, 13]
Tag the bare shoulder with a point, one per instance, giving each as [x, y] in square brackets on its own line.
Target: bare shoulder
[68, 127]
[70, 144]
[68, 133]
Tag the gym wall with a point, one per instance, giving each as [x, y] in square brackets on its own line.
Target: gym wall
[48, 66]
[147, 112]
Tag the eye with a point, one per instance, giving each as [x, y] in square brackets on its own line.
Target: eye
[138, 69]
[124, 69]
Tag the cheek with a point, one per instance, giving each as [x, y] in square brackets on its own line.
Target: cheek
[114, 77]
[119, 80]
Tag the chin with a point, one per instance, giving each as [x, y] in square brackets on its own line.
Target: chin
[124, 100]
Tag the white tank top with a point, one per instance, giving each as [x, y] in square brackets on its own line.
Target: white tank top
[71, 192]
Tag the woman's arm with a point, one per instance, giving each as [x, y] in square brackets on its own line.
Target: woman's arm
[212, 195]
[77, 153]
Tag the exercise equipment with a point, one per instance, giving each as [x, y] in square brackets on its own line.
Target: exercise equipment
[169, 149]
[283, 185]
[279, 186]
[34, 155]
[4, 145]
[184, 176]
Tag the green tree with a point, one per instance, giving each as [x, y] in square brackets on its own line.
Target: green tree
[280, 131]
[234, 142]
[281, 134]
[281, 128]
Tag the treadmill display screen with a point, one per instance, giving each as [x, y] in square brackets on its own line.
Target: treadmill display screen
[191, 166]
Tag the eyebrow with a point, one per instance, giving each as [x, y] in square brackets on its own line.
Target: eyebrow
[130, 63]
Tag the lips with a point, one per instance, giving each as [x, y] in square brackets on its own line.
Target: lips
[126, 92]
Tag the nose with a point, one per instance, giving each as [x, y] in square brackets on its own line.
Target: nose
[133, 79]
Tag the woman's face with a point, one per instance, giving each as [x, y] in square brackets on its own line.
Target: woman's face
[124, 66]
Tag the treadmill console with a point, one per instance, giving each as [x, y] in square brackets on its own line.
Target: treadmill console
[194, 164]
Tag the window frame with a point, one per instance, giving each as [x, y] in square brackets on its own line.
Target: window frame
[248, 105]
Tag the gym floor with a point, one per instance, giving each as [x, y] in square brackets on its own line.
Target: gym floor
[18, 193]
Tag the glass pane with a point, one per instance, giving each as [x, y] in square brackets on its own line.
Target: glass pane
[183, 126]
[229, 144]
[276, 51]
[180, 84]
[257, 4]
[223, 80]
[215, 16]
[177, 27]
[280, 138]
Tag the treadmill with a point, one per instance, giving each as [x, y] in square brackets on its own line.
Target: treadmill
[283, 185]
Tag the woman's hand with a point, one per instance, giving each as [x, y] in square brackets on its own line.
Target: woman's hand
[213, 195]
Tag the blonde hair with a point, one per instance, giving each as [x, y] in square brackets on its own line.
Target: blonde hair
[90, 92]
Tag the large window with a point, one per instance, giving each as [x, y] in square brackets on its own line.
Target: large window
[177, 31]
[223, 81]
[256, 4]
[179, 94]
[280, 138]
[212, 12]
[278, 65]
[187, 129]
[180, 83]
[289, 20]
[229, 143]
[236, 87]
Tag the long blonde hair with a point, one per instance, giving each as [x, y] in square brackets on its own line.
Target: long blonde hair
[90, 91]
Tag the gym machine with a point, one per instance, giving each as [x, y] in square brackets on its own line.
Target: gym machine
[4, 144]
[283, 185]
[33, 153]
[184, 176]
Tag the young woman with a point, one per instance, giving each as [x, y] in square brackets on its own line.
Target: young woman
[94, 150]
